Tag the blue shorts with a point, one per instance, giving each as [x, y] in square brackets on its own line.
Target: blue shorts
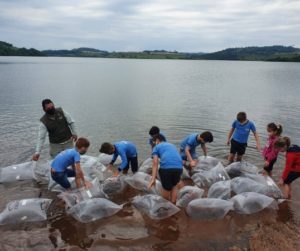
[184, 157]
[61, 178]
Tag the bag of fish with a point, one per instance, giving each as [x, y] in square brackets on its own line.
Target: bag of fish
[94, 209]
[140, 181]
[220, 190]
[146, 166]
[249, 203]
[188, 193]
[271, 189]
[42, 171]
[114, 185]
[205, 164]
[23, 171]
[93, 168]
[26, 210]
[209, 209]
[240, 168]
[105, 159]
[207, 178]
[154, 206]
[54, 187]
[78, 195]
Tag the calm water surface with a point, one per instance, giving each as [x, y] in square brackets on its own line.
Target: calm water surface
[116, 99]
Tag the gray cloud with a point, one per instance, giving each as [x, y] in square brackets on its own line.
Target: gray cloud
[143, 24]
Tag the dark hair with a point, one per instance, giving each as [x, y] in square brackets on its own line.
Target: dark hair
[282, 142]
[241, 116]
[82, 142]
[46, 102]
[207, 136]
[154, 130]
[106, 148]
[159, 137]
[277, 128]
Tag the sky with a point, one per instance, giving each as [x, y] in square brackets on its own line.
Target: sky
[135, 25]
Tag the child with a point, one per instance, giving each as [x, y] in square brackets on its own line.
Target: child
[189, 144]
[170, 167]
[292, 165]
[70, 157]
[270, 153]
[128, 153]
[154, 130]
[240, 130]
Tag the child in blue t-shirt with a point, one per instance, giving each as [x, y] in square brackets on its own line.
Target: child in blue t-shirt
[60, 170]
[154, 130]
[170, 167]
[238, 137]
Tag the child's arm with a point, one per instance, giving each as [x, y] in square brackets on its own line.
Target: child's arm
[257, 140]
[189, 156]
[288, 166]
[123, 164]
[79, 179]
[204, 149]
[154, 171]
[229, 136]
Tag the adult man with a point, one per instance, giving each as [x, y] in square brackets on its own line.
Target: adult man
[60, 128]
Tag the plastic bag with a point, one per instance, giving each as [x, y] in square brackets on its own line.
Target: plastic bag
[155, 206]
[146, 166]
[93, 168]
[94, 209]
[239, 168]
[185, 174]
[42, 170]
[188, 193]
[271, 189]
[140, 181]
[27, 210]
[105, 159]
[54, 187]
[207, 178]
[249, 203]
[220, 190]
[23, 171]
[205, 163]
[209, 209]
[74, 197]
[114, 185]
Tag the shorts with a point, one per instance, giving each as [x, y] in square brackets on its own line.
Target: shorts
[169, 177]
[61, 178]
[237, 147]
[184, 157]
[269, 168]
[291, 177]
[133, 163]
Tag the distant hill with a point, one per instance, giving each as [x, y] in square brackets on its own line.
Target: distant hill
[266, 53]
[7, 49]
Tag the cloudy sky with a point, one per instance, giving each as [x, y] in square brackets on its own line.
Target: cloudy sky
[131, 25]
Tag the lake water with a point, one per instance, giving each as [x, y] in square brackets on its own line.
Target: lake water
[120, 99]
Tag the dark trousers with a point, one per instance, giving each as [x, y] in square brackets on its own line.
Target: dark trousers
[133, 163]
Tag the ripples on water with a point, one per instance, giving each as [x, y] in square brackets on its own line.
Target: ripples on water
[113, 99]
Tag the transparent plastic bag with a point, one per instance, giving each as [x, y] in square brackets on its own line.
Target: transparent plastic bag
[23, 171]
[146, 166]
[105, 159]
[220, 190]
[76, 196]
[114, 185]
[140, 181]
[207, 178]
[42, 171]
[205, 163]
[250, 202]
[93, 168]
[54, 187]
[94, 209]
[270, 187]
[26, 210]
[188, 193]
[155, 206]
[209, 209]
[240, 168]
[185, 174]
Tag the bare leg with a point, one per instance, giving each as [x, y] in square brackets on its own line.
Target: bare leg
[239, 158]
[174, 194]
[166, 194]
[180, 185]
[230, 158]
[286, 191]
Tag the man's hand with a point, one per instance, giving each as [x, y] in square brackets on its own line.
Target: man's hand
[280, 182]
[36, 157]
[87, 184]
[151, 183]
[74, 137]
[193, 163]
